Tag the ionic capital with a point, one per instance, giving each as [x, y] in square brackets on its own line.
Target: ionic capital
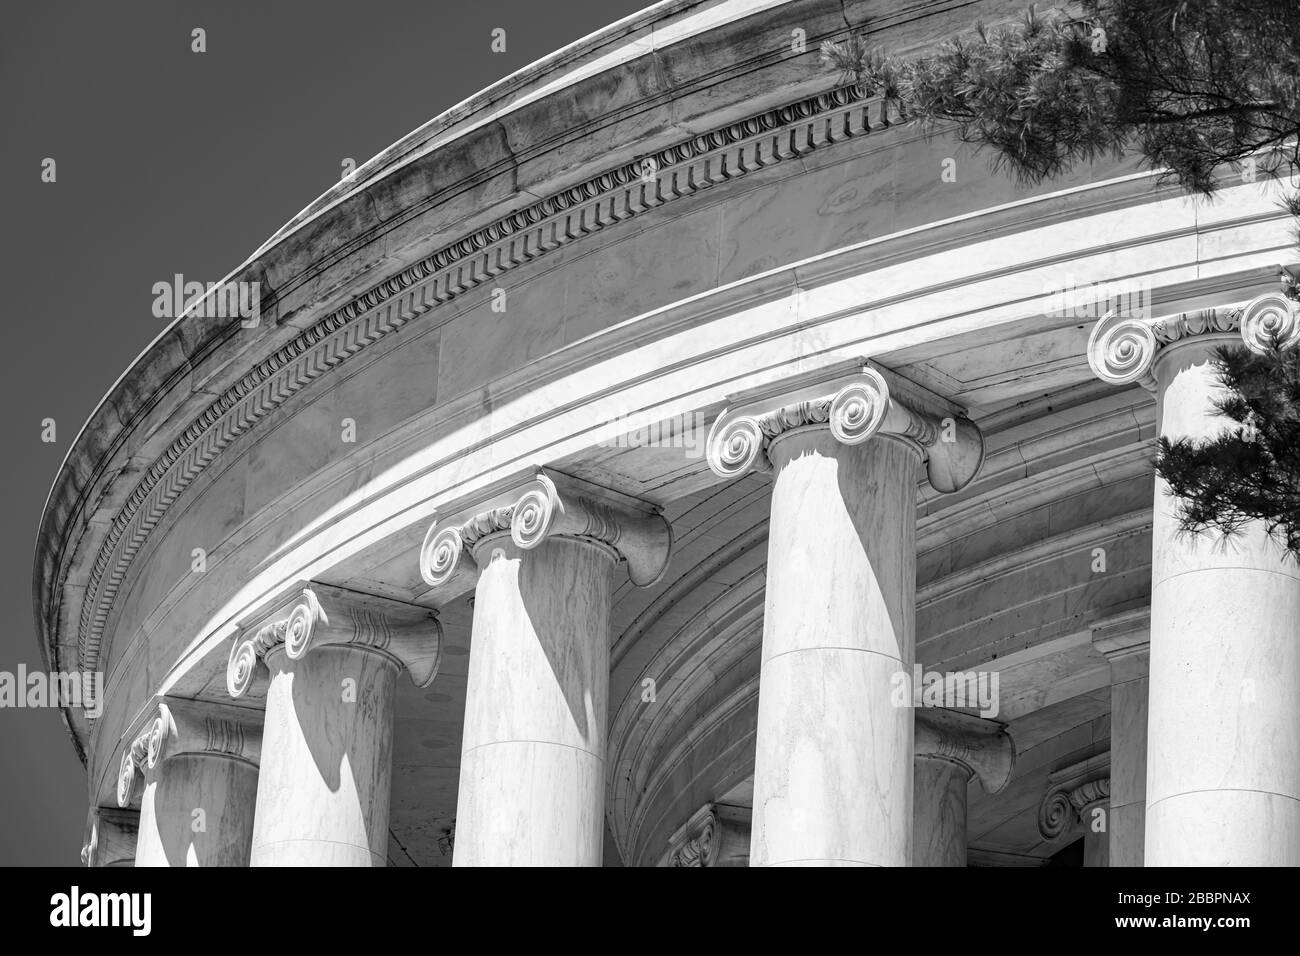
[319, 615]
[546, 505]
[716, 835]
[1122, 349]
[982, 747]
[854, 407]
[1071, 792]
[180, 727]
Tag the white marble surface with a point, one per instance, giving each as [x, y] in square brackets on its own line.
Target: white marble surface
[1223, 758]
[532, 771]
[939, 813]
[197, 810]
[323, 790]
[833, 762]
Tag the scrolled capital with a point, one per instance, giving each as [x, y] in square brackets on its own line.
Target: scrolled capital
[715, 835]
[854, 407]
[736, 445]
[533, 510]
[982, 747]
[1122, 349]
[323, 616]
[1268, 318]
[1070, 792]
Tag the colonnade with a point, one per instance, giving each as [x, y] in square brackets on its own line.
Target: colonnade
[295, 769]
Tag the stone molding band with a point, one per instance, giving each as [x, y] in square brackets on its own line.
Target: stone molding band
[327, 616]
[855, 408]
[982, 747]
[1070, 793]
[1122, 349]
[189, 727]
[547, 505]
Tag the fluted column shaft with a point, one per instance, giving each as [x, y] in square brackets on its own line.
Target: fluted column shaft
[1223, 756]
[532, 772]
[833, 761]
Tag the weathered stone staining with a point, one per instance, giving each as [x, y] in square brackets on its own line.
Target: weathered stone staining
[893, 454]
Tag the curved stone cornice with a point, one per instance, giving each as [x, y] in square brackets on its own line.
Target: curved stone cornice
[188, 727]
[1122, 349]
[520, 237]
[982, 747]
[549, 504]
[854, 407]
[1070, 793]
[321, 616]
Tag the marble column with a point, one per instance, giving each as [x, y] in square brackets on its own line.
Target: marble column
[715, 835]
[1124, 640]
[951, 749]
[328, 668]
[194, 768]
[833, 760]
[532, 772]
[1077, 803]
[112, 837]
[1223, 739]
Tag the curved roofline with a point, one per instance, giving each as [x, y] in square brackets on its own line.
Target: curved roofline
[98, 441]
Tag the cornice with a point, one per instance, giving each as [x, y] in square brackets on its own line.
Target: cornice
[619, 194]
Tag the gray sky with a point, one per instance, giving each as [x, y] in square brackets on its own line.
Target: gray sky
[172, 162]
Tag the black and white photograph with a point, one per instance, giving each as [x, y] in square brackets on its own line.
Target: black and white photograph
[717, 433]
